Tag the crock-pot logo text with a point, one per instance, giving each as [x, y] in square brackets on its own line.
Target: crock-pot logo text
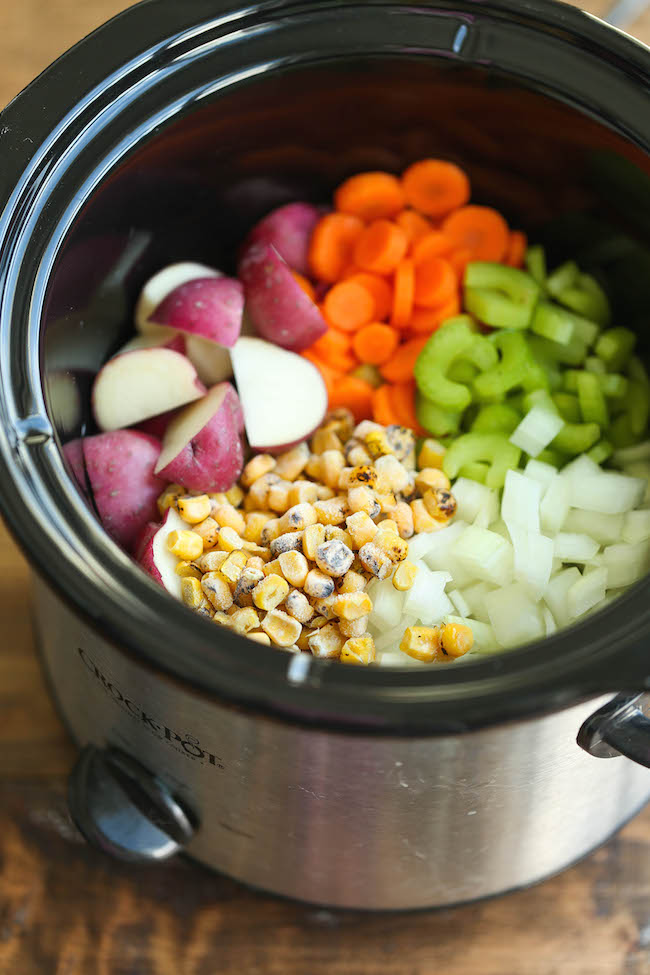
[187, 745]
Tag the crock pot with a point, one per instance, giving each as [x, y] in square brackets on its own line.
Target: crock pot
[162, 137]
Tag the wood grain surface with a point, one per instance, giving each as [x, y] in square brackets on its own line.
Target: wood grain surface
[66, 910]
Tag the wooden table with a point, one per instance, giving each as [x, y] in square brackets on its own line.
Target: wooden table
[66, 910]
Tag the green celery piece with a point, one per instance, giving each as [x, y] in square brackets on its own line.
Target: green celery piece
[612, 384]
[455, 340]
[493, 448]
[576, 438]
[620, 432]
[475, 472]
[592, 400]
[636, 370]
[496, 417]
[548, 456]
[547, 362]
[638, 402]
[501, 296]
[587, 298]
[539, 397]
[481, 353]
[585, 329]
[518, 368]
[600, 452]
[594, 364]
[462, 371]
[439, 422]
[615, 347]
[568, 407]
[572, 354]
[553, 323]
[536, 264]
[564, 276]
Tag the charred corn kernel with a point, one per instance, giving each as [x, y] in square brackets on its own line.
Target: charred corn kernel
[284, 630]
[228, 517]
[404, 576]
[255, 522]
[365, 427]
[375, 560]
[294, 567]
[358, 650]
[403, 518]
[352, 582]
[318, 585]
[273, 568]
[188, 570]
[209, 532]
[245, 620]
[363, 475]
[205, 609]
[396, 548]
[229, 540]
[335, 532]
[387, 526]
[298, 606]
[327, 642]
[194, 510]
[395, 474]
[187, 545]
[324, 493]
[357, 455]
[456, 639]
[377, 444]
[363, 498]
[440, 504]
[341, 420]
[217, 591]
[334, 558]
[303, 492]
[233, 566]
[257, 466]
[312, 468]
[297, 518]
[235, 495]
[211, 561]
[352, 605]
[431, 478]
[361, 527]
[332, 463]
[431, 454]
[332, 512]
[258, 494]
[248, 579]
[422, 520]
[421, 643]
[386, 502]
[409, 493]
[260, 638]
[255, 562]
[325, 439]
[270, 592]
[191, 592]
[169, 497]
[278, 497]
[288, 542]
[402, 440]
[354, 628]
[325, 607]
[270, 531]
[312, 537]
[292, 463]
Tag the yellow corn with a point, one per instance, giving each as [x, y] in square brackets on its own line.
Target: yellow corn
[289, 542]
[356, 454]
[278, 498]
[194, 510]
[327, 642]
[221, 617]
[187, 545]
[325, 439]
[377, 444]
[312, 468]
[169, 497]
[352, 605]
[256, 467]
[421, 642]
[270, 592]
[291, 464]
[217, 590]
[431, 477]
[248, 579]
[456, 640]
[245, 620]
[332, 463]
[191, 592]
[402, 440]
[281, 628]
[363, 498]
[352, 582]
[188, 569]
[363, 475]
[258, 494]
[403, 518]
[211, 561]
[324, 493]
[270, 531]
[235, 495]
[431, 454]
[297, 518]
[353, 628]
[272, 568]
[298, 606]
[318, 585]
[387, 526]
[396, 548]
[358, 650]
[228, 517]
[404, 576]
[361, 528]
[316, 622]
[233, 566]
[260, 638]
[255, 562]
[332, 512]
[312, 537]
[375, 560]
[209, 532]
[294, 567]
[334, 558]
[303, 640]
[440, 504]
[341, 421]
[422, 520]
[335, 533]
[394, 474]
[255, 522]
[303, 491]
[325, 607]
[386, 502]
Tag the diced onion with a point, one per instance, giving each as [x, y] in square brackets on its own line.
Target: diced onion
[536, 430]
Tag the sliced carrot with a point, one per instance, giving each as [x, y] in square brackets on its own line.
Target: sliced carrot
[435, 187]
[348, 306]
[332, 243]
[435, 282]
[306, 285]
[459, 260]
[481, 230]
[380, 247]
[427, 320]
[399, 369]
[380, 290]
[375, 343]
[382, 409]
[516, 251]
[331, 377]
[335, 350]
[414, 225]
[403, 294]
[370, 196]
[434, 244]
[354, 393]
[401, 397]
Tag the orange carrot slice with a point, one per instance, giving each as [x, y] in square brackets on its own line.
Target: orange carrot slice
[348, 306]
[516, 251]
[380, 290]
[335, 350]
[332, 244]
[427, 320]
[414, 225]
[434, 244]
[382, 409]
[481, 230]
[370, 196]
[435, 187]
[401, 397]
[375, 343]
[353, 393]
[380, 247]
[435, 282]
[403, 294]
[399, 369]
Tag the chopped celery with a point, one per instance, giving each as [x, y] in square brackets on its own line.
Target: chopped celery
[615, 347]
[587, 298]
[571, 354]
[611, 384]
[576, 438]
[550, 456]
[585, 330]
[553, 323]
[539, 397]
[564, 276]
[536, 264]
[517, 368]
[456, 339]
[463, 372]
[620, 432]
[501, 296]
[638, 402]
[475, 471]
[601, 451]
[592, 401]
[594, 364]
[636, 370]
[493, 448]
[567, 406]
[439, 422]
[496, 417]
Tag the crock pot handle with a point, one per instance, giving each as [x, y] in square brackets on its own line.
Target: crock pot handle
[124, 810]
[621, 727]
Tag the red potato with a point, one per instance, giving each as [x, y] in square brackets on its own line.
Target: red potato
[211, 361]
[74, 455]
[137, 385]
[210, 308]
[282, 394]
[163, 338]
[202, 447]
[277, 306]
[156, 426]
[162, 284]
[154, 556]
[120, 468]
[288, 229]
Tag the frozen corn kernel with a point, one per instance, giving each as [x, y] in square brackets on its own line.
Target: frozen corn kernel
[292, 463]
[327, 642]
[363, 475]
[334, 558]
[169, 497]
[387, 503]
[422, 520]
[409, 493]
[256, 467]
[324, 493]
[356, 454]
[402, 440]
[377, 444]
[303, 640]
[270, 592]
[312, 468]
[354, 628]
[358, 650]
[303, 492]
[221, 617]
[235, 495]
[278, 497]
[421, 642]
[312, 537]
[332, 463]
[288, 542]
[209, 532]
[263, 638]
[245, 620]
[456, 639]
[396, 548]
[191, 592]
[217, 498]
[341, 421]
[188, 569]
[352, 582]
[375, 560]
[233, 566]
[361, 527]
[325, 607]
[440, 504]
[332, 512]
[316, 622]
[431, 454]
[270, 531]
[336, 533]
[363, 498]
[248, 579]
[229, 540]
[318, 585]
[298, 606]
[255, 522]
[283, 630]
[272, 568]
[258, 494]
[294, 567]
[194, 510]
[261, 551]
[255, 562]
[395, 474]
[325, 439]
[228, 517]
[404, 576]
[387, 527]
[217, 591]
[186, 545]
[211, 561]
[205, 610]
[353, 605]
[297, 518]
[403, 518]
[431, 478]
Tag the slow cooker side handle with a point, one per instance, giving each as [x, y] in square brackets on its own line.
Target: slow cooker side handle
[621, 727]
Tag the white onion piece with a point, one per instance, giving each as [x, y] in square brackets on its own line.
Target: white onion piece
[521, 501]
[514, 615]
[555, 506]
[628, 455]
[474, 499]
[606, 529]
[536, 430]
[485, 555]
[549, 621]
[575, 548]
[533, 559]
[460, 603]
[538, 470]
[426, 599]
[475, 598]
[607, 492]
[636, 526]
[626, 563]
[556, 595]
[387, 605]
[586, 592]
